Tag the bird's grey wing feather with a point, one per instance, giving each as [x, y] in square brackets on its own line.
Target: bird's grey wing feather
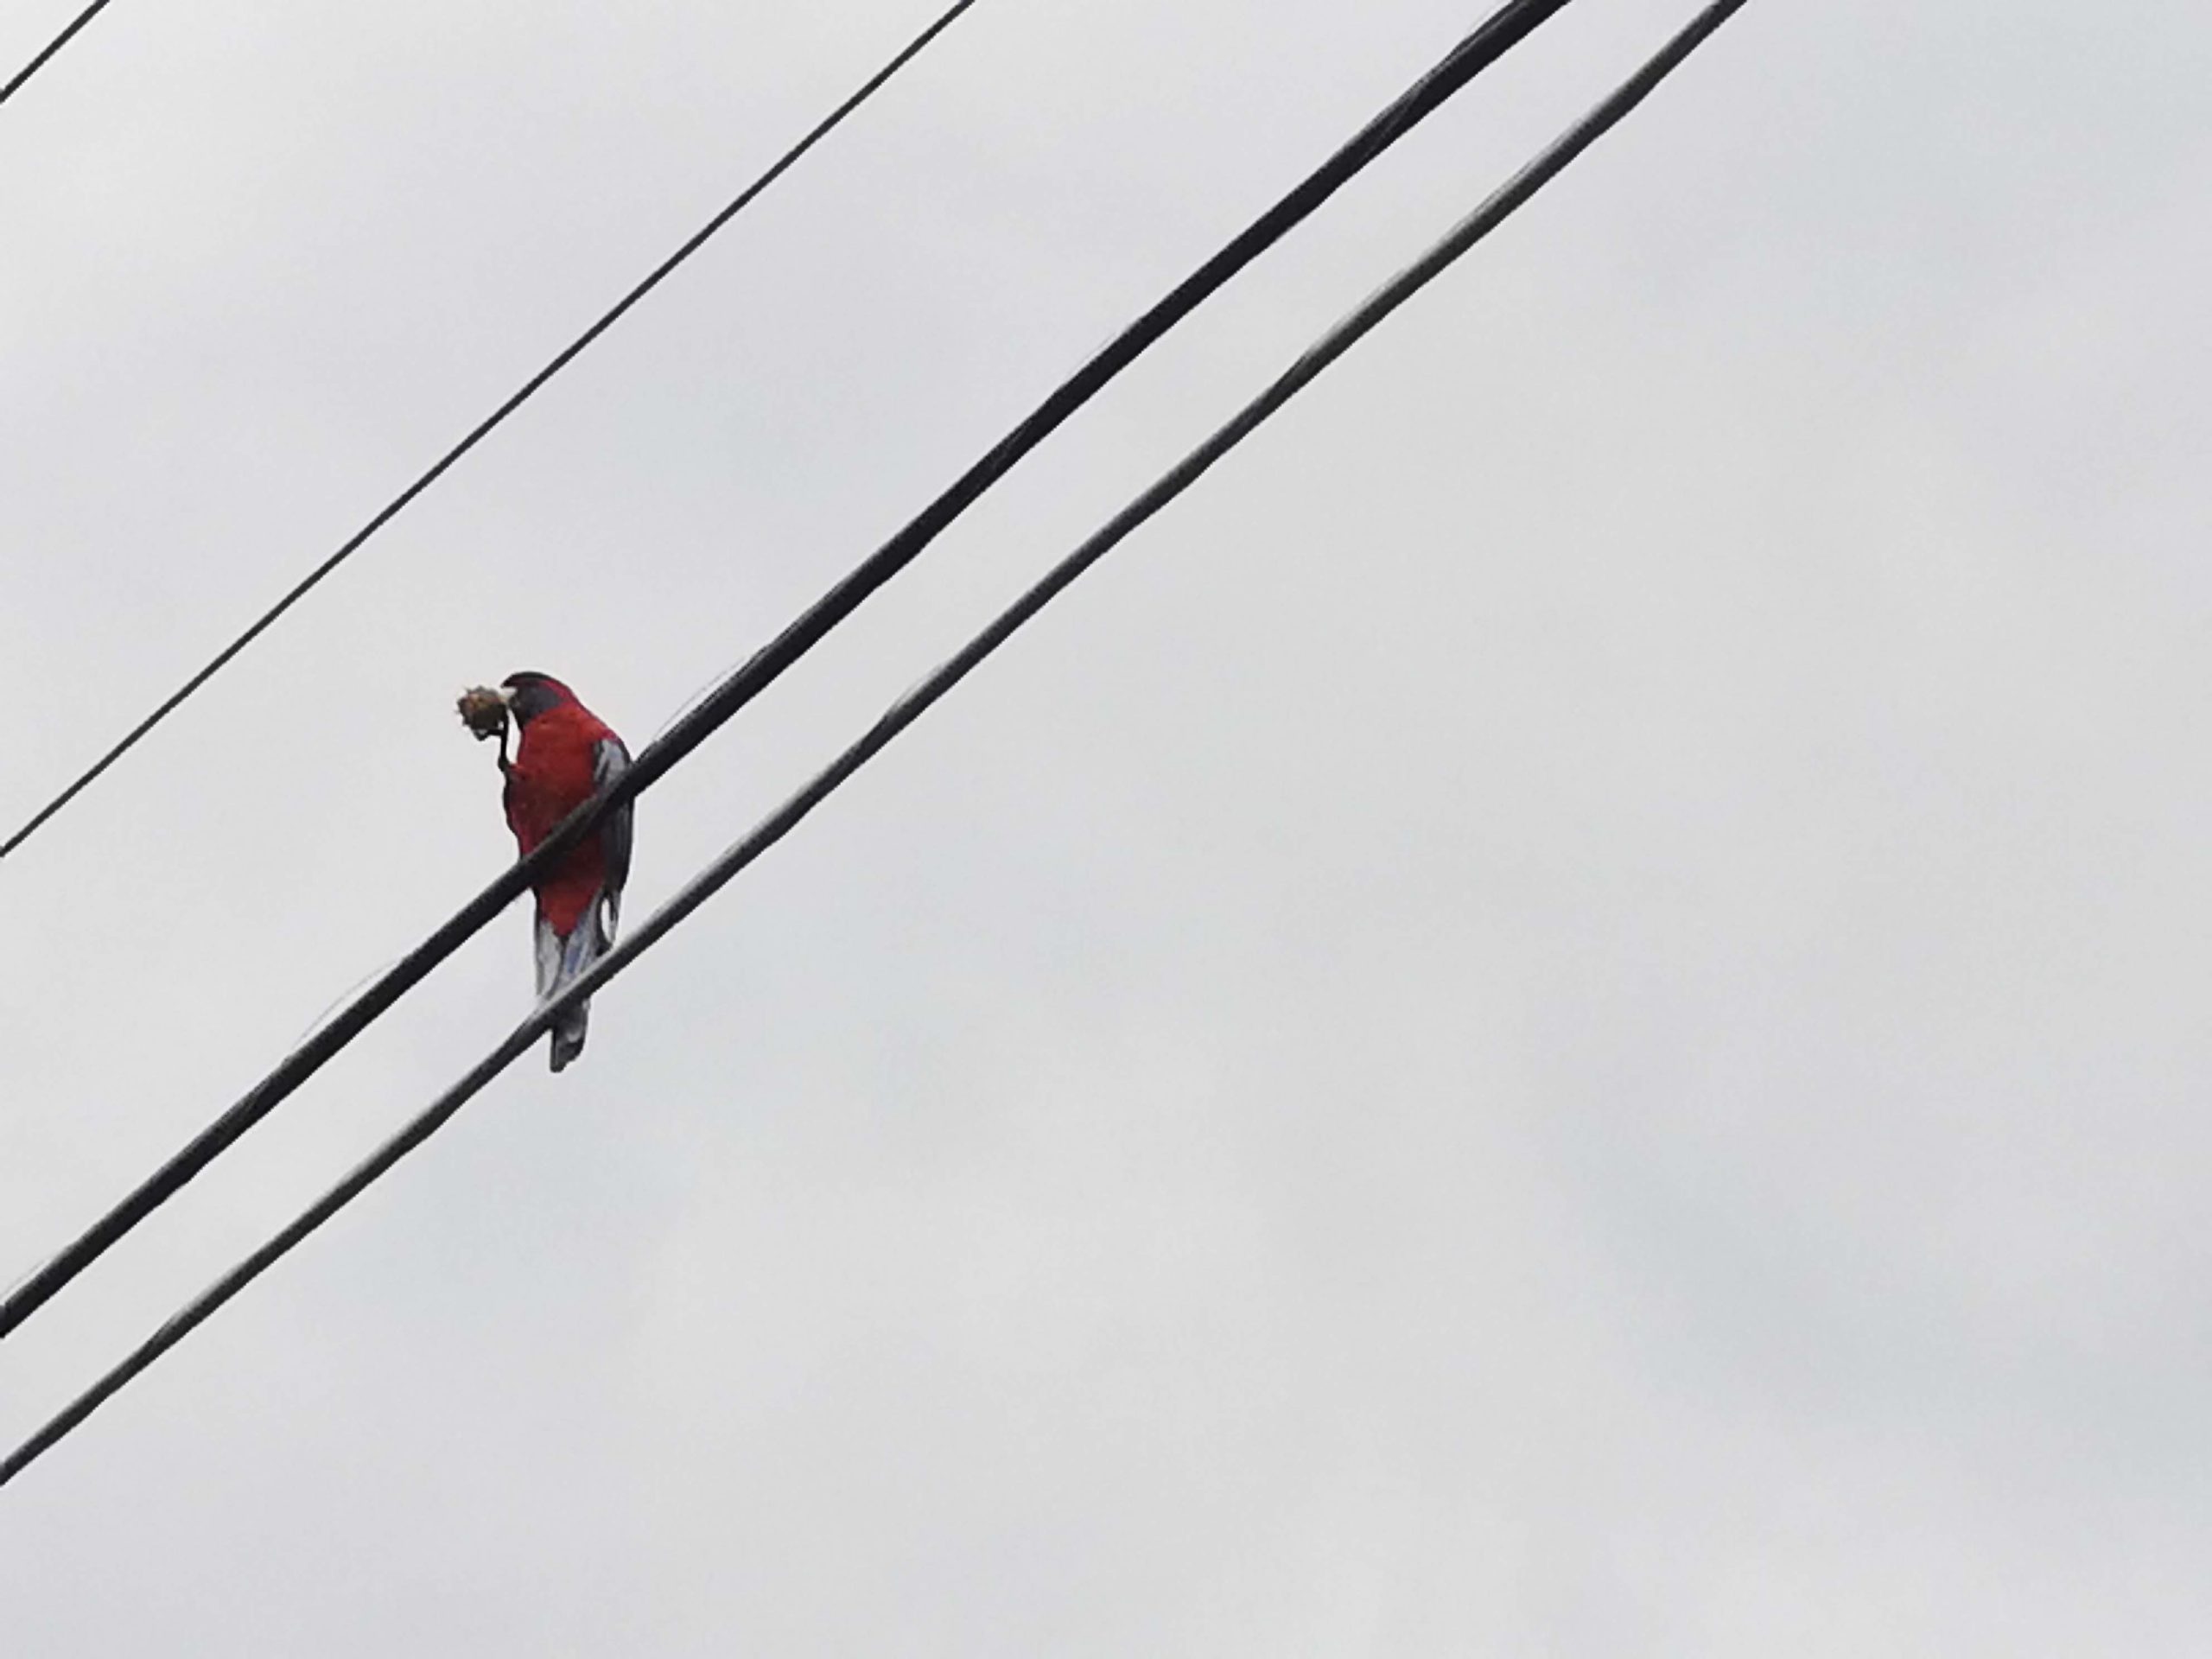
[609, 761]
[547, 945]
[560, 961]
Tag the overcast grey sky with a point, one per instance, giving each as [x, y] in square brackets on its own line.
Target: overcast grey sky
[1566, 1015]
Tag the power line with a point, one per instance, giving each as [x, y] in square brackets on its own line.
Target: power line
[1504, 29]
[52, 47]
[1500, 206]
[484, 428]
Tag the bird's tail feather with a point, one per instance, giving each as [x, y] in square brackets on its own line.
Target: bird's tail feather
[560, 960]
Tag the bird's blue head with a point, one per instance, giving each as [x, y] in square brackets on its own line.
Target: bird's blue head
[530, 694]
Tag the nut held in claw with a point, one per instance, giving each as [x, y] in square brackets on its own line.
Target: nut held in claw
[483, 711]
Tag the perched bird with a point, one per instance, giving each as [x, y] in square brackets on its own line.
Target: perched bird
[566, 755]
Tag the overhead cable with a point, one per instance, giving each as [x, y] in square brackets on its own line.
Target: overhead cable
[1470, 230]
[52, 47]
[483, 428]
[1478, 51]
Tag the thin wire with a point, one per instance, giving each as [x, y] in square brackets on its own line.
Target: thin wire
[1477, 52]
[1494, 212]
[697, 696]
[331, 1007]
[484, 428]
[52, 47]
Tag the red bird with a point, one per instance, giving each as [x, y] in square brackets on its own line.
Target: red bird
[567, 754]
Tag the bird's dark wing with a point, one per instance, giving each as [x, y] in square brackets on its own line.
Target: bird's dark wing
[609, 761]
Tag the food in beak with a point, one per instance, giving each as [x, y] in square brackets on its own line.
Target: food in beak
[483, 711]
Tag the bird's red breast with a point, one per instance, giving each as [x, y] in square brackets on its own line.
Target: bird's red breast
[551, 777]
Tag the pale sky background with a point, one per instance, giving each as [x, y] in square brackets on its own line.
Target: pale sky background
[1566, 1014]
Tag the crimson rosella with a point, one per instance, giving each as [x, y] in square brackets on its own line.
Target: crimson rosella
[566, 755]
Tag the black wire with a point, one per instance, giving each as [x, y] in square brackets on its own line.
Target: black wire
[484, 428]
[1470, 230]
[1487, 44]
[52, 47]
